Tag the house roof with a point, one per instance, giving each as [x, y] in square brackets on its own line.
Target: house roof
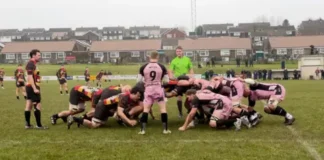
[60, 30]
[145, 28]
[171, 29]
[219, 27]
[9, 30]
[162, 30]
[45, 34]
[85, 29]
[296, 41]
[30, 30]
[170, 42]
[216, 43]
[113, 28]
[12, 33]
[125, 45]
[25, 47]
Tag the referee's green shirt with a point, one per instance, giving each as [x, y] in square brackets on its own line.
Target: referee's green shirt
[180, 66]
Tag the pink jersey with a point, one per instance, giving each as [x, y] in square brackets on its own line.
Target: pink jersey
[153, 74]
[214, 100]
[263, 91]
[201, 83]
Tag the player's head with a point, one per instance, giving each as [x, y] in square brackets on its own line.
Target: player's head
[62, 66]
[35, 54]
[190, 94]
[154, 55]
[135, 94]
[179, 51]
[126, 88]
[19, 66]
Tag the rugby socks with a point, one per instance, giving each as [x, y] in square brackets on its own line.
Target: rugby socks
[179, 104]
[25, 97]
[85, 117]
[244, 113]
[143, 120]
[227, 123]
[17, 97]
[27, 118]
[37, 114]
[66, 91]
[279, 111]
[61, 92]
[164, 119]
[79, 120]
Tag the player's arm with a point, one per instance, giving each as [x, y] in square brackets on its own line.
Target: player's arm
[16, 74]
[195, 104]
[251, 102]
[122, 104]
[140, 76]
[30, 71]
[165, 78]
[171, 70]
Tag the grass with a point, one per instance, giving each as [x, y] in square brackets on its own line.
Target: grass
[269, 140]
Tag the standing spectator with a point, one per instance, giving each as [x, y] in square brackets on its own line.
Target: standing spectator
[317, 71]
[180, 65]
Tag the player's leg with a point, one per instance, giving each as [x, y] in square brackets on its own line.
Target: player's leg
[17, 90]
[66, 88]
[61, 87]
[23, 91]
[273, 108]
[243, 114]
[1, 82]
[148, 102]
[179, 104]
[218, 119]
[164, 116]
[37, 111]
[28, 107]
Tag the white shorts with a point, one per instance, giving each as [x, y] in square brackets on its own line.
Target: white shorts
[80, 106]
[96, 121]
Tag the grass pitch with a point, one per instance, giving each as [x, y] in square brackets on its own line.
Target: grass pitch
[269, 140]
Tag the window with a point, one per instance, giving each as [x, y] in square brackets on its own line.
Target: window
[10, 56]
[225, 59]
[18, 37]
[189, 54]
[237, 33]
[281, 51]
[110, 37]
[24, 56]
[225, 52]
[240, 52]
[105, 32]
[46, 55]
[213, 32]
[61, 55]
[133, 31]
[321, 50]
[120, 37]
[169, 36]
[257, 39]
[42, 38]
[224, 32]
[32, 38]
[115, 31]
[259, 43]
[298, 51]
[98, 54]
[208, 32]
[289, 32]
[114, 54]
[120, 32]
[168, 47]
[59, 38]
[218, 32]
[13, 37]
[48, 38]
[37, 38]
[203, 53]
[135, 54]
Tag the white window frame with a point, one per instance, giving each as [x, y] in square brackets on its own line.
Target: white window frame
[168, 47]
[13, 37]
[298, 51]
[224, 32]
[32, 38]
[256, 39]
[237, 33]
[105, 32]
[10, 56]
[42, 38]
[46, 55]
[240, 52]
[189, 54]
[225, 52]
[169, 35]
[135, 54]
[282, 51]
[61, 55]
[321, 50]
[218, 32]
[114, 54]
[289, 32]
[48, 38]
[24, 56]
[120, 32]
[259, 43]
[208, 32]
[37, 38]
[213, 32]
[98, 55]
[18, 37]
[203, 53]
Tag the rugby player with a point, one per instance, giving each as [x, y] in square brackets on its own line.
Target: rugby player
[78, 96]
[99, 78]
[2, 74]
[87, 76]
[152, 74]
[20, 81]
[221, 106]
[271, 94]
[61, 76]
[33, 91]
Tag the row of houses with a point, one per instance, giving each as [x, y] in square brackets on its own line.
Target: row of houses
[201, 49]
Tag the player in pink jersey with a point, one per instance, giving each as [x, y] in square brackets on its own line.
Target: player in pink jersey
[221, 105]
[153, 73]
[273, 93]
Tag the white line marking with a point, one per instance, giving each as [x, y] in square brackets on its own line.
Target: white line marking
[311, 150]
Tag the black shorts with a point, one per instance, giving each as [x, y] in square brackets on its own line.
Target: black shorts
[87, 79]
[102, 111]
[62, 81]
[1, 79]
[31, 95]
[20, 84]
[74, 97]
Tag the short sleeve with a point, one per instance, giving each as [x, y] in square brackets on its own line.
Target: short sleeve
[30, 68]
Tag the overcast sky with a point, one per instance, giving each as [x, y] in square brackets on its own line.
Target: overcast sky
[165, 13]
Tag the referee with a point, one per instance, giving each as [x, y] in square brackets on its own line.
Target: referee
[181, 65]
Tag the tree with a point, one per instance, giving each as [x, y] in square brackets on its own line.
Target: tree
[285, 23]
[199, 30]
